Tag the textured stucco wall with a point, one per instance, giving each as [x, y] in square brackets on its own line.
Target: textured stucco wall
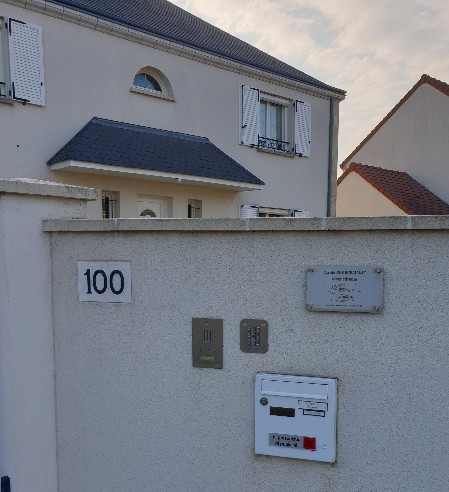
[357, 198]
[89, 73]
[132, 412]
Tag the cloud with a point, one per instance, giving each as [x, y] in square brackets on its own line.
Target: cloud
[375, 50]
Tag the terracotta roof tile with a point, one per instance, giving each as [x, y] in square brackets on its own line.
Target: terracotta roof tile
[399, 187]
[425, 79]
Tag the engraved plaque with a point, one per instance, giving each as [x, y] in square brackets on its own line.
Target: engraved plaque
[350, 289]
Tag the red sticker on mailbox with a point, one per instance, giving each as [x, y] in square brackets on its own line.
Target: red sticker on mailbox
[309, 443]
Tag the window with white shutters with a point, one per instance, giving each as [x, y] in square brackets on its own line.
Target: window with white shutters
[302, 129]
[274, 123]
[26, 62]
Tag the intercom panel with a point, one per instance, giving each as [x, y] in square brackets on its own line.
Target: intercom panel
[207, 343]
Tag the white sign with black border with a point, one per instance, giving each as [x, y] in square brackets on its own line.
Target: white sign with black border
[104, 281]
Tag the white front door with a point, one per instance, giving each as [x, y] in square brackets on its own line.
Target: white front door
[150, 208]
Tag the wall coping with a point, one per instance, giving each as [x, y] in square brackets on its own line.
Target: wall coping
[434, 222]
[28, 186]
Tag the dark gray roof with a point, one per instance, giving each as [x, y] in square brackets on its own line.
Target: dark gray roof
[132, 146]
[165, 20]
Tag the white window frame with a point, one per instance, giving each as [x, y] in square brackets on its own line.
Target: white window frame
[166, 91]
[284, 143]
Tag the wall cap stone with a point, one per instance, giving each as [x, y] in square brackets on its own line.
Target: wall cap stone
[434, 222]
[28, 186]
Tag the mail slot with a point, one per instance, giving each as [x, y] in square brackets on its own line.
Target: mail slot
[282, 412]
[295, 417]
[310, 391]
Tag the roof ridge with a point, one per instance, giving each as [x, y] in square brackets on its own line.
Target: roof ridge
[425, 79]
[147, 129]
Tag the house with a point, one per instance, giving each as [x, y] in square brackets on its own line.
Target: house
[401, 167]
[166, 114]
[374, 191]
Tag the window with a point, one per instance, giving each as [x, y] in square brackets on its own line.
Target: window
[109, 204]
[266, 123]
[152, 82]
[194, 209]
[146, 81]
[22, 79]
[272, 126]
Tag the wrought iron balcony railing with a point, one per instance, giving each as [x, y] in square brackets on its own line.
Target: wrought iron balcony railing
[272, 144]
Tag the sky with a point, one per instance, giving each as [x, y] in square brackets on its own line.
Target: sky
[376, 50]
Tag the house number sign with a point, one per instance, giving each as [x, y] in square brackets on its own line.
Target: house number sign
[356, 289]
[104, 281]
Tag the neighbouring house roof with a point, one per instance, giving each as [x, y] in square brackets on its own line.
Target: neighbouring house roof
[124, 145]
[165, 20]
[425, 79]
[399, 187]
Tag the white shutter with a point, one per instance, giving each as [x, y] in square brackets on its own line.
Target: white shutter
[250, 116]
[249, 211]
[302, 128]
[26, 58]
[301, 213]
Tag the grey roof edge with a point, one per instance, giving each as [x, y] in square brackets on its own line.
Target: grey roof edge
[184, 136]
[312, 225]
[52, 159]
[255, 178]
[41, 6]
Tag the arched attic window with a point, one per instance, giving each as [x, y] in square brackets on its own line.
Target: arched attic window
[152, 82]
[145, 81]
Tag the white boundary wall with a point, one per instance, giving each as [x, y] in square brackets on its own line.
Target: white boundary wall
[133, 414]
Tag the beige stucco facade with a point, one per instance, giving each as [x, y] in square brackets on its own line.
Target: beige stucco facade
[89, 70]
[413, 140]
[357, 198]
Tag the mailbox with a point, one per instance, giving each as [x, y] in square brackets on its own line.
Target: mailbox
[295, 417]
